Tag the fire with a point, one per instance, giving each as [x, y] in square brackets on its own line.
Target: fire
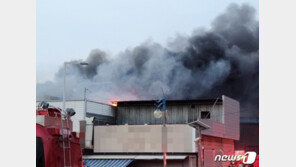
[114, 103]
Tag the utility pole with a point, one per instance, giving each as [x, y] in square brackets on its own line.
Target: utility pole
[164, 140]
[164, 133]
[85, 105]
[85, 102]
[162, 103]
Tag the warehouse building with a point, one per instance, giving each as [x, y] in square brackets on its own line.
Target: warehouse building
[136, 138]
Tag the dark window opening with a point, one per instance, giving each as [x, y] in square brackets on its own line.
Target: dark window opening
[205, 115]
[192, 106]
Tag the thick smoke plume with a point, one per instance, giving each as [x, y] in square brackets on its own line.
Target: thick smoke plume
[209, 63]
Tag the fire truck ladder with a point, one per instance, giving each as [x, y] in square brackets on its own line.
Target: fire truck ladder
[66, 142]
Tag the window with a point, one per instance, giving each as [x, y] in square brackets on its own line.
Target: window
[192, 106]
[205, 115]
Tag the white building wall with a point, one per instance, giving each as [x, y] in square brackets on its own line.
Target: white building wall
[94, 107]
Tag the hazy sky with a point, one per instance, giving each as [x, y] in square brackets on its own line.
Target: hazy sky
[70, 29]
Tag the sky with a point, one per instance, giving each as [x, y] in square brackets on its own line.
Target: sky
[69, 29]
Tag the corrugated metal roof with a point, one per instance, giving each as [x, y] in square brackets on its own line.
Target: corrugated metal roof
[107, 162]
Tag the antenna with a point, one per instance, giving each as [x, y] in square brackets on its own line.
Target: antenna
[85, 102]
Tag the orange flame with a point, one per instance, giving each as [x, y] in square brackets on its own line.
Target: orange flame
[114, 103]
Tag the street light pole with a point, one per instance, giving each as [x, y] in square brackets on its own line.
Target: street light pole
[64, 88]
[64, 85]
[64, 110]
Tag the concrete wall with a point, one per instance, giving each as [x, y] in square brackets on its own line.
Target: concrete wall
[143, 138]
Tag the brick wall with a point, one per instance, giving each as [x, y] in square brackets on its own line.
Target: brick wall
[213, 146]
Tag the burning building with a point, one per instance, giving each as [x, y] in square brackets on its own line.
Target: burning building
[223, 59]
[137, 136]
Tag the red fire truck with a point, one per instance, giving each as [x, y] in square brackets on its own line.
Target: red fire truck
[56, 144]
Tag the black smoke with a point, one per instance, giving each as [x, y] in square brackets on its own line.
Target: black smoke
[207, 64]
